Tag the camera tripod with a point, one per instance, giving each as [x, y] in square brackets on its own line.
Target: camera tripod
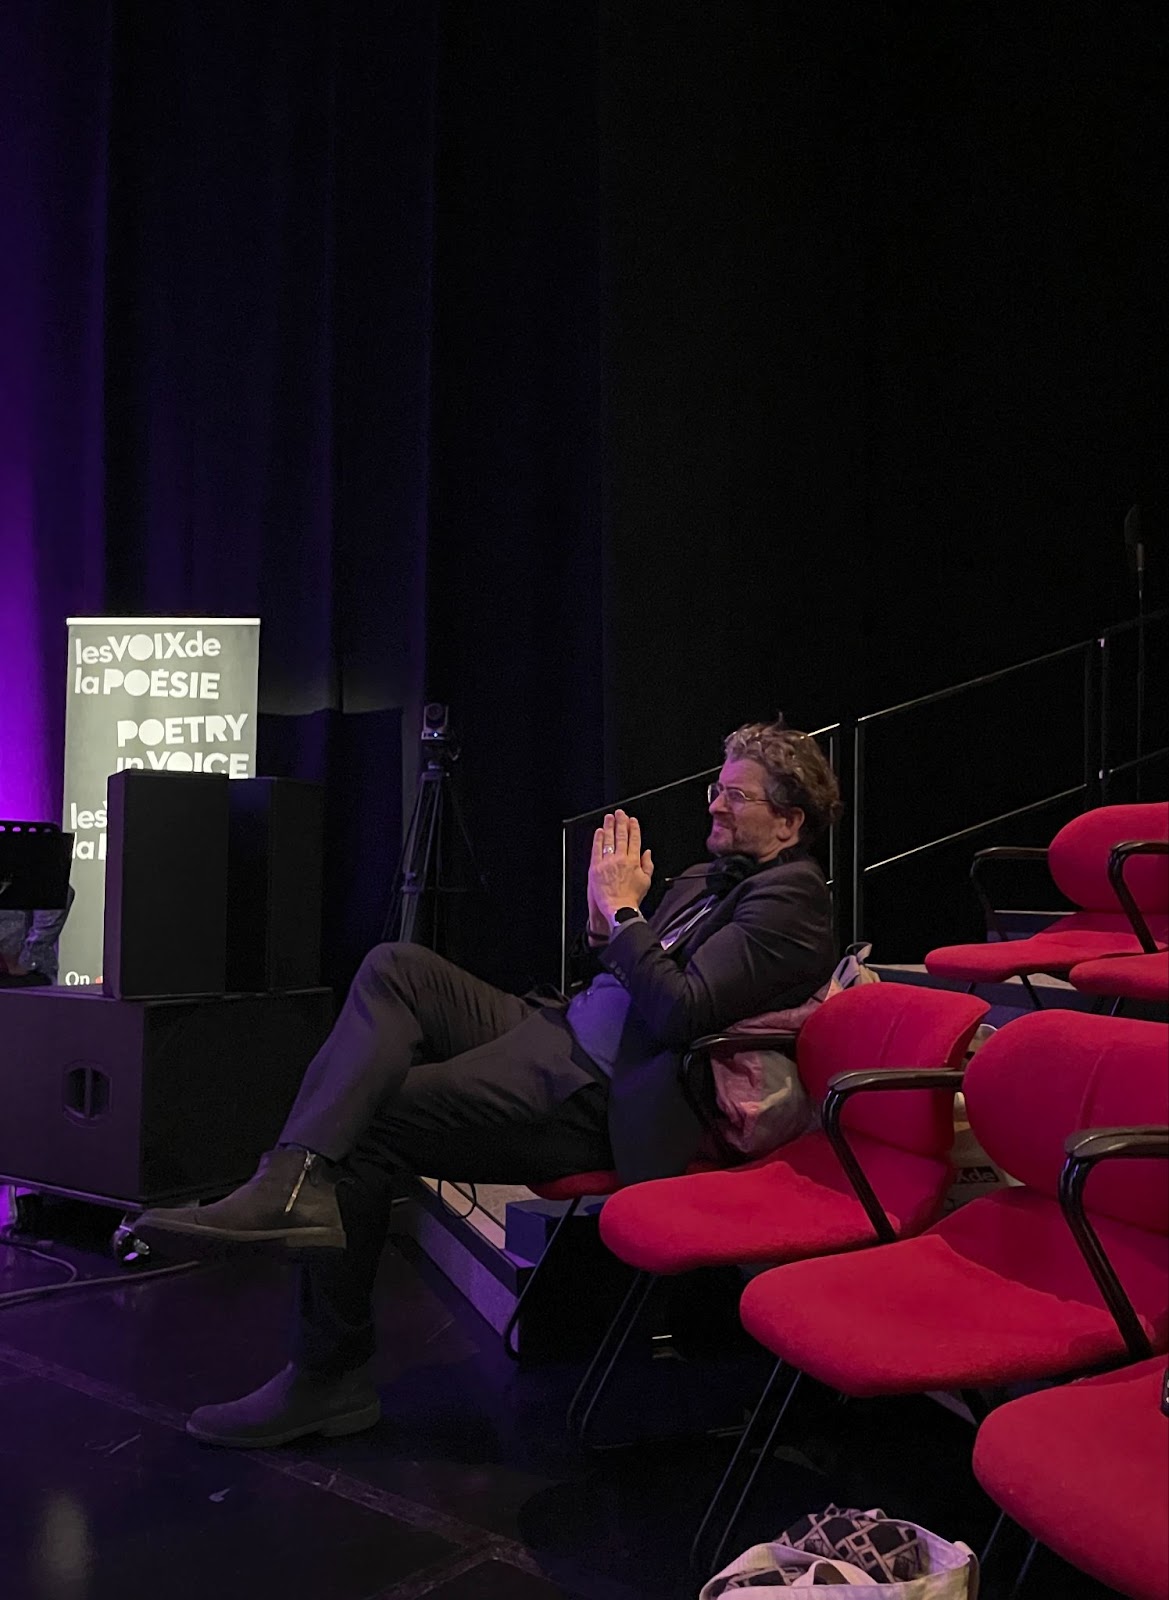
[421, 879]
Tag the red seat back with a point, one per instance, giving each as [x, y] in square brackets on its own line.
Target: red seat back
[1058, 1072]
[1079, 853]
[891, 1025]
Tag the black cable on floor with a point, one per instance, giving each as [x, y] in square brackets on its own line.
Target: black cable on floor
[75, 1282]
[41, 1255]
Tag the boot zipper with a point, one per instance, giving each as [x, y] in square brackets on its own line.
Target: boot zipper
[308, 1161]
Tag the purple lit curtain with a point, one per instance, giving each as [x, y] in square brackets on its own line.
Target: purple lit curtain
[54, 103]
[298, 307]
[612, 383]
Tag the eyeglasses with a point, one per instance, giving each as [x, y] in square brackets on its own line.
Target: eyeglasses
[733, 797]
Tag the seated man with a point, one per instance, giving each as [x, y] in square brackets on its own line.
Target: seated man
[432, 1071]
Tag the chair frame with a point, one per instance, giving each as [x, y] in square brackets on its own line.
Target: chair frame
[1003, 852]
[1085, 1150]
[841, 1089]
[1118, 859]
[692, 1087]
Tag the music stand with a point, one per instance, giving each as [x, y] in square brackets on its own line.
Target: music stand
[35, 858]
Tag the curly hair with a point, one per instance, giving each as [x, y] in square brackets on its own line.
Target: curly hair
[797, 772]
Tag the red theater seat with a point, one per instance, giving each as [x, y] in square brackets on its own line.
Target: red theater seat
[1125, 977]
[570, 1191]
[1080, 858]
[801, 1200]
[1004, 1290]
[1085, 1469]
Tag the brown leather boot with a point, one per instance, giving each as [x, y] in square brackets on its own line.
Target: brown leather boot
[291, 1203]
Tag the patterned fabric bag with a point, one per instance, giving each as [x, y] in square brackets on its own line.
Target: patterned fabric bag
[858, 1553]
[760, 1100]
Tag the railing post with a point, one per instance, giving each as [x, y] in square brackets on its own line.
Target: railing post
[1102, 773]
[563, 907]
[1095, 682]
[840, 836]
[858, 832]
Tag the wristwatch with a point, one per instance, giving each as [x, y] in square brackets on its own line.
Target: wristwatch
[622, 915]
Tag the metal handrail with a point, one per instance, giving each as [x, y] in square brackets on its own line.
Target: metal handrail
[847, 870]
[976, 827]
[1137, 761]
[1019, 666]
[1097, 770]
[1135, 622]
[974, 683]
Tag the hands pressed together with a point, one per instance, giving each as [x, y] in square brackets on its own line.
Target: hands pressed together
[620, 871]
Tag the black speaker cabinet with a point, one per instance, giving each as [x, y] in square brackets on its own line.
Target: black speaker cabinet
[143, 1101]
[276, 840]
[166, 884]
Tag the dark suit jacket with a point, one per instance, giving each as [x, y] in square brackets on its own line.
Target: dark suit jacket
[766, 945]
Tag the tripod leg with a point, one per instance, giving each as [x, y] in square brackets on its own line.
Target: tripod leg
[416, 869]
[465, 836]
[421, 869]
[391, 927]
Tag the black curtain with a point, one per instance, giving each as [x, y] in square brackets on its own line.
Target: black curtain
[333, 360]
[887, 354]
[610, 377]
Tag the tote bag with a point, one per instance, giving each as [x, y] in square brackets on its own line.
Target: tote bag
[760, 1101]
[860, 1554]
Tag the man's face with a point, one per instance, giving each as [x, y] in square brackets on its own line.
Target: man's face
[743, 821]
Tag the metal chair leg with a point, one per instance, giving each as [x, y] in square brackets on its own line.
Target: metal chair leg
[510, 1342]
[1032, 992]
[1000, 1524]
[744, 1448]
[601, 1368]
[1024, 1569]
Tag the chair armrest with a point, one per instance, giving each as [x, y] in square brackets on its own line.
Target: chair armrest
[841, 1088]
[1118, 860]
[845, 1084]
[1104, 1144]
[1009, 852]
[999, 852]
[698, 1091]
[1085, 1150]
[746, 1041]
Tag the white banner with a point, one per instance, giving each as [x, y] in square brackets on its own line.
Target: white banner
[171, 694]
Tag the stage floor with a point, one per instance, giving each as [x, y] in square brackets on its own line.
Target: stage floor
[467, 1490]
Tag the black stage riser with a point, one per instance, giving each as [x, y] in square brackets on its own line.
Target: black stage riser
[138, 1102]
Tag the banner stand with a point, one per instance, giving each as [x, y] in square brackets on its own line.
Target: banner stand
[163, 694]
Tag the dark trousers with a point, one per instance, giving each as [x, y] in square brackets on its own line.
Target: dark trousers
[430, 1071]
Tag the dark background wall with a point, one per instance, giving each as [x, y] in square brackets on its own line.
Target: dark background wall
[887, 346]
[613, 373]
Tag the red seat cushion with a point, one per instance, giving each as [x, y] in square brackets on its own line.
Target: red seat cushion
[1128, 977]
[794, 1203]
[577, 1185]
[1085, 1468]
[1083, 936]
[996, 1292]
